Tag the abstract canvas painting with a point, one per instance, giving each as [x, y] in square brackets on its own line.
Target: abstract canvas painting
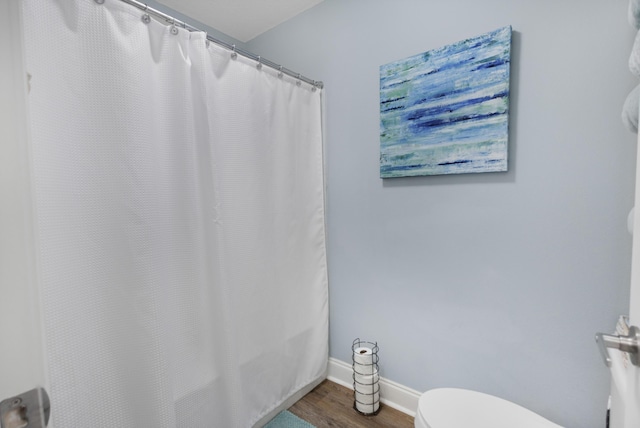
[446, 111]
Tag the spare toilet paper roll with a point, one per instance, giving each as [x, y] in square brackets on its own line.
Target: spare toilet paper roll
[368, 409]
[363, 361]
[367, 398]
[367, 403]
[364, 380]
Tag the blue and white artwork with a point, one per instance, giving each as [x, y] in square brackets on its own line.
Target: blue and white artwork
[446, 111]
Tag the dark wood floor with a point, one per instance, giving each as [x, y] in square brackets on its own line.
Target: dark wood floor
[330, 405]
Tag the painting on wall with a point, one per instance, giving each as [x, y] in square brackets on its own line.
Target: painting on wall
[446, 111]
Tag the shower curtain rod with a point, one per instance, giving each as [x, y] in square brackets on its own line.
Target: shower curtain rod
[261, 61]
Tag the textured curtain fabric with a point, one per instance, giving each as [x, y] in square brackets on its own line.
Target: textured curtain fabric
[180, 219]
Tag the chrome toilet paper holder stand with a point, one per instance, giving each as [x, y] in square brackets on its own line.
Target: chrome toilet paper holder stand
[367, 389]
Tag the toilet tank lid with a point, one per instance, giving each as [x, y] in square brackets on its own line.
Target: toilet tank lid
[453, 407]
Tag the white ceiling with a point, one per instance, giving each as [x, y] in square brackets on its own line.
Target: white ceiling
[241, 19]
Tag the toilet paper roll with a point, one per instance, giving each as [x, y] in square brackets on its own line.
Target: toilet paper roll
[367, 403]
[367, 409]
[363, 370]
[363, 361]
[365, 380]
[367, 398]
[367, 393]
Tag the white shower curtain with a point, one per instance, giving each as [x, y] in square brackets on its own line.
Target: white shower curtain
[179, 206]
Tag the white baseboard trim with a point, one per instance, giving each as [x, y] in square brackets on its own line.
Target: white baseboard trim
[392, 394]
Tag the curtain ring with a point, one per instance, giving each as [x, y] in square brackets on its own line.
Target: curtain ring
[299, 82]
[145, 16]
[280, 73]
[259, 66]
[174, 29]
[234, 55]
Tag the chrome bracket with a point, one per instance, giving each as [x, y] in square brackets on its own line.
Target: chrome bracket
[629, 343]
[30, 409]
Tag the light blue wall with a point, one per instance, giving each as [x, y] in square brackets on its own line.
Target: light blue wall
[493, 282]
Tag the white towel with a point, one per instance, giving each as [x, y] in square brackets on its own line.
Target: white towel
[634, 58]
[633, 14]
[631, 109]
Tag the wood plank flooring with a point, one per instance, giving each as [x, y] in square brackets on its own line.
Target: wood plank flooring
[330, 405]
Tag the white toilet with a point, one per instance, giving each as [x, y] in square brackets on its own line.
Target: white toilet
[461, 408]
